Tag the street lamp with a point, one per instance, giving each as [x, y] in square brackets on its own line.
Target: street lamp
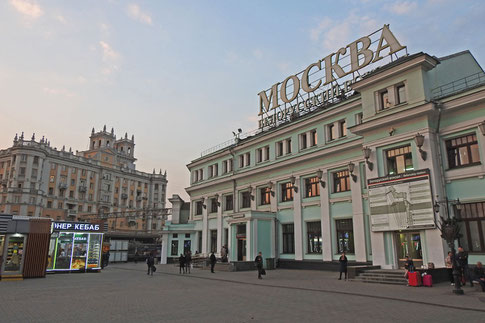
[450, 231]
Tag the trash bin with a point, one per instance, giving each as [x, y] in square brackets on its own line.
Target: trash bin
[270, 263]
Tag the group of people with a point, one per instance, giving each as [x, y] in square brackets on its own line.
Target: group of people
[185, 262]
[466, 275]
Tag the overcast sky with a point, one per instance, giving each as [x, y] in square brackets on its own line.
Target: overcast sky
[182, 75]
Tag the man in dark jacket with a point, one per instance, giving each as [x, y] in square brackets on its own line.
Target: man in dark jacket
[462, 260]
[343, 266]
[258, 261]
[188, 260]
[150, 264]
[213, 260]
[182, 264]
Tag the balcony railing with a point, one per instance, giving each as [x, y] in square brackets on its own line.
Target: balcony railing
[458, 85]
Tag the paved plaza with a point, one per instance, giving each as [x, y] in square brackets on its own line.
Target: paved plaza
[124, 293]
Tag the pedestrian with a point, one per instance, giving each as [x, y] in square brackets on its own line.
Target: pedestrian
[188, 261]
[182, 264]
[449, 267]
[408, 266]
[223, 254]
[150, 264]
[479, 275]
[258, 261]
[213, 260]
[136, 257]
[462, 259]
[343, 266]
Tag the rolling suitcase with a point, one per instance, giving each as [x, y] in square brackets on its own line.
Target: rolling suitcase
[414, 279]
[427, 281]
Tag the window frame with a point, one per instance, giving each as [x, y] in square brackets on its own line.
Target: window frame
[245, 200]
[388, 158]
[288, 238]
[310, 183]
[337, 177]
[311, 235]
[456, 148]
[343, 229]
[264, 196]
[286, 192]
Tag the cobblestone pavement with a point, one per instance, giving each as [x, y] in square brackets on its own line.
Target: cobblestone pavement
[124, 293]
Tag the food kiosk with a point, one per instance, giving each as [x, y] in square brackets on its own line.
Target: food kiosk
[75, 246]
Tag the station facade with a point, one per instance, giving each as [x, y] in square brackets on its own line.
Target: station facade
[368, 173]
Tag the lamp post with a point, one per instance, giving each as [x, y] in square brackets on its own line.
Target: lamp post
[450, 231]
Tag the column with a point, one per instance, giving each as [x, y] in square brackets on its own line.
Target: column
[205, 226]
[220, 229]
[254, 224]
[229, 243]
[164, 254]
[249, 242]
[297, 220]
[325, 213]
[358, 217]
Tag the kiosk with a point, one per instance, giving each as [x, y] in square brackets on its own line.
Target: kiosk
[75, 246]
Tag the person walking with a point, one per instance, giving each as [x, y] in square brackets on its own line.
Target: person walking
[258, 261]
[462, 259]
[343, 266]
[213, 260]
[150, 264]
[449, 267]
[188, 261]
[182, 264]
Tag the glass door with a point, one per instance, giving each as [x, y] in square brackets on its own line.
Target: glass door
[80, 251]
[94, 251]
[409, 244]
[64, 251]
[15, 252]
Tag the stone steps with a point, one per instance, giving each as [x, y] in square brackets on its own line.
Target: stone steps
[380, 276]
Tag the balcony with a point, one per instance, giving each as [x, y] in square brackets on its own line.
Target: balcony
[139, 198]
[62, 186]
[3, 182]
[71, 214]
[124, 196]
[82, 189]
[131, 220]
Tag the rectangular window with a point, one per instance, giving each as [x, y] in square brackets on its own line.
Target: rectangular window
[175, 248]
[241, 161]
[463, 151]
[36, 160]
[213, 205]
[358, 118]
[473, 227]
[288, 146]
[312, 187]
[342, 125]
[384, 100]
[341, 181]
[288, 238]
[266, 153]
[213, 240]
[303, 143]
[401, 94]
[246, 200]
[265, 196]
[314, 237]
[229, 205]
[279, 148]
[399, 160]
[345, 236]
[313, 138]
[49, 204]
[198, 208]
[286, 192]
[332, 132]
[259, 155]
[51, 190]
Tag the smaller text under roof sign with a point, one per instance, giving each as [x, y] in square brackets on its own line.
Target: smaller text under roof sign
[325, 79]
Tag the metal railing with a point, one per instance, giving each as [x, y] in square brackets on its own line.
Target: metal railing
[459, 85]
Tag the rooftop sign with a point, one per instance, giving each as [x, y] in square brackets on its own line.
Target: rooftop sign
[330, 77]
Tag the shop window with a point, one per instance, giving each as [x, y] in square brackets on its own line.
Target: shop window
[401, 94]
[246, 199]
[312, 187]
[213, 240]
[198, 207]
[473, 227]
[229, 204]
[175, 248]
[399, 160]
[314, 237]
[286, 192]
[341, 181]
[288, 238]
[463, 151]
[265, 196]
[345, 236]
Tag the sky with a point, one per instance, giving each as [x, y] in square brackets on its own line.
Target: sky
[182, 75]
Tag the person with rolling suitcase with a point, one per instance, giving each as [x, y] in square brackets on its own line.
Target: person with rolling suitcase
[427, 280]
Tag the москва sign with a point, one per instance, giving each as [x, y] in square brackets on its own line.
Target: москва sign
[332, 68]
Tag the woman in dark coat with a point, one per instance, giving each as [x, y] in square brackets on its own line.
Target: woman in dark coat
[259, 264]
[213, 260]
[182, 264]
[343, 266]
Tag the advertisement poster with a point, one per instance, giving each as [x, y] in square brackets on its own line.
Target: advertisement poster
[401, 202]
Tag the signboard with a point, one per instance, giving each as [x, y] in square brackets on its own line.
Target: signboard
[75, 226]
[325, 80]
[401, 202]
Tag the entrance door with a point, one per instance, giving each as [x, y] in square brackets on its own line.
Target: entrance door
[241, 249]
[409, 244]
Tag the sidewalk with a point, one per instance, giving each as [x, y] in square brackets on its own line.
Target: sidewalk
[326, 282]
